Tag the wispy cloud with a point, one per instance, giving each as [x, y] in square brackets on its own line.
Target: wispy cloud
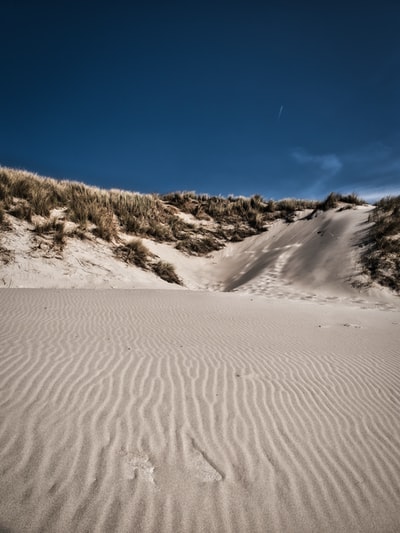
[319, 170]
[328, 164]
[372, 171]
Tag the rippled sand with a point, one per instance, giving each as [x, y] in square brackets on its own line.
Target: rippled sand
[178, 411]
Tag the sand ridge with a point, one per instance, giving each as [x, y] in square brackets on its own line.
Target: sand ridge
[193, 411]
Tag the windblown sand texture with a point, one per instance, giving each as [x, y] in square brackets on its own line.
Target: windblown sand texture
[185, 411]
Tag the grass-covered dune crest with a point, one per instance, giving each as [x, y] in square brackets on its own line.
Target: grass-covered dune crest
[195, 225]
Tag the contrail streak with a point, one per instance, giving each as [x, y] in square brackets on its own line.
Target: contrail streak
[280, 112]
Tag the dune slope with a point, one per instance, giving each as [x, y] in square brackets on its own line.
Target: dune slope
[314, 258]
[318, 256]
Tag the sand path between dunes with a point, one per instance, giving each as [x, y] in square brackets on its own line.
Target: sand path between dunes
[178, 411]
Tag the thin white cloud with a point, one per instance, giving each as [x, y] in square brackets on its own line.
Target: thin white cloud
[328, 164]
[372, 171]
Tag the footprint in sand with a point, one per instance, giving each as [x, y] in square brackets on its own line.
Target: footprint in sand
[139, 465]
[201, 466]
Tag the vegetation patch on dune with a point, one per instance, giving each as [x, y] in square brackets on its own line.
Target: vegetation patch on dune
[106, 214]
[333, 200]
[134, 252]
[166, 271]
[195, 224]
[381, 258]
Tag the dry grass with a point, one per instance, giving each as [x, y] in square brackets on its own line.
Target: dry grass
[105, 214]
[198, 245]
[333, 199]
[254, 213]
[45, 227]
[166, 271]
[21, 209]
[382, 256]
[134, 252]
[59, 237]
[53, 228]
[6, 255]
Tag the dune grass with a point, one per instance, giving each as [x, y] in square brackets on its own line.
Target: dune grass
[252, 212]
[333, 199]
[381, 258]
[166, 271]
[134, 252]
[194, 224]
[106, 213]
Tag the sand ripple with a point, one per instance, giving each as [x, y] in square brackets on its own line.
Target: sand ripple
[173, 411]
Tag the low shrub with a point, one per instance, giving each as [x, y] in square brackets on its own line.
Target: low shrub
[159, 232]
[134, 252]
[330, 202]
[352, 199]
[381, 257]
[6, 256]
[166, 271]
[333, 199]
[198, 245]
[103, 218]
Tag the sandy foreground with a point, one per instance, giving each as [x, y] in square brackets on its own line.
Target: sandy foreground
[185, 411]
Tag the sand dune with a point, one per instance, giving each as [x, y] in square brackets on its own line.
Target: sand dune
[318, 254]
[315, 259]
[270, 405]
[175, 411]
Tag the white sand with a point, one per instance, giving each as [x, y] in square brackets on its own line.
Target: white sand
[177, 411]
[273, 408]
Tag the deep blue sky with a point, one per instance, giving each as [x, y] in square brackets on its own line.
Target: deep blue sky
[276, 98]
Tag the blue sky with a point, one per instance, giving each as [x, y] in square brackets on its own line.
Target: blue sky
[277, 98]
